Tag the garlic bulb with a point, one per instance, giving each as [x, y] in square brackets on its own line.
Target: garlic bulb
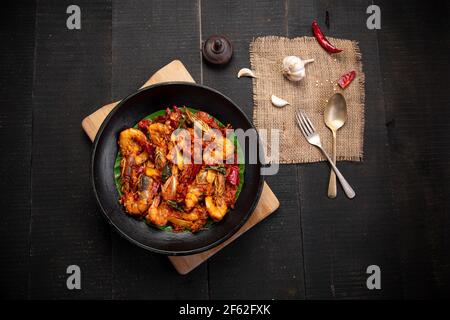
[294, 67]
[278, 102]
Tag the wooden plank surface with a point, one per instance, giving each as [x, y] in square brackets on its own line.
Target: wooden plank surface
[267, 262]
[342, 237]
[417, 103]
[17, 22]
[313, 247]
[72, 74]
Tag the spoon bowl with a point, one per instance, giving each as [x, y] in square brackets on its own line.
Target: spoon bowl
[335, 114]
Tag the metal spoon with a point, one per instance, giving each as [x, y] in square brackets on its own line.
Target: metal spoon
[335, 116]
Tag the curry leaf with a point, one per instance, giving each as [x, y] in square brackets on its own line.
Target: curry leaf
[166, 173]
[117, 171]
[219, 169]
[181, 123]
[174, 205]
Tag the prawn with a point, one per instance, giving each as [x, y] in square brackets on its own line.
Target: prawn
[197, 213]
[169, 188]
[219, 185]
[131, 142]
[157, 214]
[216, 206]
[129, 173]
[219, 150]
[193, 196]
[197, 189]
[138, 202]
[159, 134]
[196, 121]
[204, 184]
[160, 158]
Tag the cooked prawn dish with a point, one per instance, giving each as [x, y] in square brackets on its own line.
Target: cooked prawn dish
[178, 170]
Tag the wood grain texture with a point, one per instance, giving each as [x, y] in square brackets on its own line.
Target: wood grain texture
[17, 21]
[414, 49]
[268, 262]
[342, 237]
[146, 36]
[72, 73]
[313, 247]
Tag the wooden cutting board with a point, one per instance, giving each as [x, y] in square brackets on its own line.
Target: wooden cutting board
[268, 203]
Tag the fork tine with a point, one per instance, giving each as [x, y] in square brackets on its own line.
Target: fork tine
[305, 122]
[298, 120]
[309, 122]
[300, 124]
[305, 128]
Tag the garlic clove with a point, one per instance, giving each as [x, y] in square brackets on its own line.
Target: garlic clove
[278, 102]
[245, 72]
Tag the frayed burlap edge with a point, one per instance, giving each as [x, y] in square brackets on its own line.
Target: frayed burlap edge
[361, 103]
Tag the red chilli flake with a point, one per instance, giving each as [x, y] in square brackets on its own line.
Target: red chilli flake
[143, 125]
[346, 79]
[233, 175]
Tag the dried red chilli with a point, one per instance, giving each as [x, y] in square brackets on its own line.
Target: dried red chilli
[323, 41]
[346, 79]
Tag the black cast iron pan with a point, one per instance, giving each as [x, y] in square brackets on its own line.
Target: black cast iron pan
[130, 111]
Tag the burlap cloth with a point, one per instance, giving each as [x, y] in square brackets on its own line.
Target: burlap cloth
[311, 94]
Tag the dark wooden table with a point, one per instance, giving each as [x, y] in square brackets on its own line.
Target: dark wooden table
[312, 247]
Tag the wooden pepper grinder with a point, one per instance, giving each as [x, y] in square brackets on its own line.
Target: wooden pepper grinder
[217, 49]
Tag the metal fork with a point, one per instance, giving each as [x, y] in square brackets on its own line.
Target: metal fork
[313, 138]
